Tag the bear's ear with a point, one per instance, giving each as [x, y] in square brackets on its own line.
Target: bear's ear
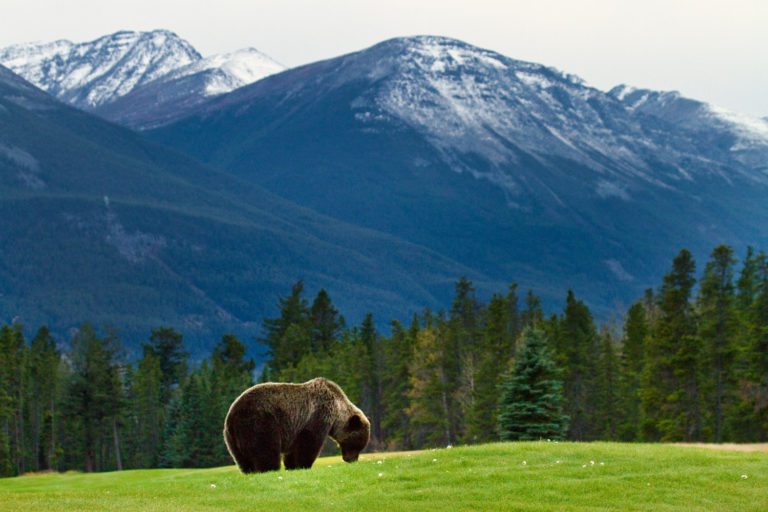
[354, 423]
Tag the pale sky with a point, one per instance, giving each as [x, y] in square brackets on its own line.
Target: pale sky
[710, 50]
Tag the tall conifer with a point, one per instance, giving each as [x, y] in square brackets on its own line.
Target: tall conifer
[531, 395]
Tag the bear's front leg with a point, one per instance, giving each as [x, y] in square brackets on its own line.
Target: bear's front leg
[304, 450]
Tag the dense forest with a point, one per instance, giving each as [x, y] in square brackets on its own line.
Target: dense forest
[689, 363]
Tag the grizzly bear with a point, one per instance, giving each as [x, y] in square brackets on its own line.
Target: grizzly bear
[293, 420]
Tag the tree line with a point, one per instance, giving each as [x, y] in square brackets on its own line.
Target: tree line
[689, 363]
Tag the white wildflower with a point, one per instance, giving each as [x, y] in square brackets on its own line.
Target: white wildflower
[743, 476]
[434, 460]
[213, 486]
[591, 463]
[279, 478]
[381, 474]
[449, 446]
[524, 463]
[379, 462]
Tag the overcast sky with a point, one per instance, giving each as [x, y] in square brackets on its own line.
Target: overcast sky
[712, 50]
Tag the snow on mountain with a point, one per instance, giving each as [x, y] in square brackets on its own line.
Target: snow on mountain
[511, 167]
[174, 94]
[158, 73]
[470, 102]
[230, 70]
[744, 137]
[90, 74]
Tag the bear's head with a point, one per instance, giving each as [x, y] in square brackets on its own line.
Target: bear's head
[353, 436]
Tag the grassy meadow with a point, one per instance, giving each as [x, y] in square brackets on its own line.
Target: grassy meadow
[531, 476]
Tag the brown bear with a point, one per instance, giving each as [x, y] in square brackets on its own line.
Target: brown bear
[293, 420]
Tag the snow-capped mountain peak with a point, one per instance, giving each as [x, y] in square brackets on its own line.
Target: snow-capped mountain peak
[235, 69]
[90, 74]
[158, 73]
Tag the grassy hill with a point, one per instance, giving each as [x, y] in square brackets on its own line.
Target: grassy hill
[504, 476]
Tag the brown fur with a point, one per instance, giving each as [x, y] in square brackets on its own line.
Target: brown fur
[292, 420]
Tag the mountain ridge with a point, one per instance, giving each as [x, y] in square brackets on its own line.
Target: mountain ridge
[496, 156]
[94, 75]
[97, 224]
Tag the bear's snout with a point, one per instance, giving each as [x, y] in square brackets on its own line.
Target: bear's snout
[350, 457]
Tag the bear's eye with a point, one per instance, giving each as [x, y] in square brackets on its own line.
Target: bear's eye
[354, 423]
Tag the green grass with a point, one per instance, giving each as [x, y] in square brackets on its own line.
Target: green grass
[504, 476]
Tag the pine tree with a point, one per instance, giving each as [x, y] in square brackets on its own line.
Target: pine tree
[91, 396]
[6, 462]
[533, 314]
[166, 344]
[288, 337]
[607, 388]
[327, 323]
[13, 362]
[755, 387]
[195, 438]
[671, 401]
[632, 361]
[147, 413]
[717, 330]
[462, 355]
[397, 353]
[497, 351]
[531, 394]
[576, 345]
[44, 359]
[428, 412]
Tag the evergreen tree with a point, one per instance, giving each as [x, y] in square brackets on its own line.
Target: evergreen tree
[576, 345]
[288, 337]
[755, 387]
[6, 462]
[632, 360]
[13, 356]
[531, 395]
[398, 352]
[327, 323]
[44, 359]
[195, 439]
[147, 413]
[370, 360]
[91, 397]
[167, 346]
[497, 351]
[428, 411]
[717, 330]
[670, 398]
[533, 314]
[607, 388]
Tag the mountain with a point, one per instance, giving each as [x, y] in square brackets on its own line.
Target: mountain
[98, 224]
[170, 96]
[90, 74]
[135, 78]
[514, 169]
[742, 137]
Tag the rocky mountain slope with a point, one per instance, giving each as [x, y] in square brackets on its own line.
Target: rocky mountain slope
[97, 224]
[512, 168]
